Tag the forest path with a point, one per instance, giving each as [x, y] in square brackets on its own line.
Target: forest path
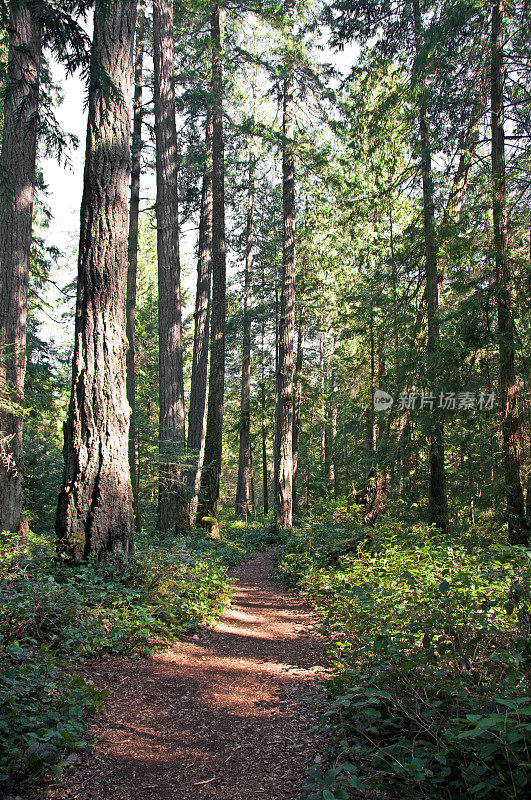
[226, 717]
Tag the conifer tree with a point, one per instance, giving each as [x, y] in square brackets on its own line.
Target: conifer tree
[94, 514]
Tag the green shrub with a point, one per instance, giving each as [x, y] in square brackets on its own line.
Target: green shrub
[430, 641]
[53, 613]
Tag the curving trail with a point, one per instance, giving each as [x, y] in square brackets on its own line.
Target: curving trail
[226, 717]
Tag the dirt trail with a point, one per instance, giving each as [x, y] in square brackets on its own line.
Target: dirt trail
[228, 716]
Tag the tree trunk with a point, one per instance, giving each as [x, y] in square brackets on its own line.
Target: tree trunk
[17, 184]
[198, 390]
[438, 502]
[512, 444]
[134, 208]
[333, 475]
[244, 460]
[94, 512]
[323, 376]
[265, 490]
[284, 454]
[297, 406]
[211, 474]
[171, 505]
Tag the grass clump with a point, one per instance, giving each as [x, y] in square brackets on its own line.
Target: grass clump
[430, 640]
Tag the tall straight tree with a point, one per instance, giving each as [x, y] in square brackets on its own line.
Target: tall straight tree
[297, 406]
[198, 387]
[17, 183]
[512, 444]
[284, 378]
[94, 514]
[134, 215]
[211, 473]
[172, 498]
[244, 458]
[438, 501]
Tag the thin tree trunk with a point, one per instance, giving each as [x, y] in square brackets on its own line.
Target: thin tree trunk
[211, 473]
[284, 454]
[322, 377]
[333, 475]
[198, 390]
[171, 506]
[263, 412]
[94, 512]
[244, 460]
[17, 184]
[298, 406]
[438, 501]
[251, 481]
[371, 428]
[512, 444]
[134, 208]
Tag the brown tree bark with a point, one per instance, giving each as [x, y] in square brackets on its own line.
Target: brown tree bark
[284, 422]
[438, 501]
[244, 459]
[297, 407]
[198, 390]
[94, 512]
[134, 208]
[511, 426]
[17, 184]
[333, 472]
[172, 498]
[265, 488]
[211, 473]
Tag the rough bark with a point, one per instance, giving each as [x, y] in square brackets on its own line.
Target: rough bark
[211, 473]
[244, 459]
[95, 505]
[17, 183]
[198, 389]
[172, 499]
[438, 502]
[134, 207]
[297, 406]
[512, 443]
[284, 381]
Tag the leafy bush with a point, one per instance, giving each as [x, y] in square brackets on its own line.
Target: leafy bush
[430, 641]
[53, 612]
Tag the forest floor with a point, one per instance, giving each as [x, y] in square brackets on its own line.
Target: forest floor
[229, 715]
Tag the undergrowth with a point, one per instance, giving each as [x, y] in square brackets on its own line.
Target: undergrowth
[54, 614]
[430, 643]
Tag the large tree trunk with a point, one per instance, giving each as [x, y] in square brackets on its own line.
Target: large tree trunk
[211, 473]
[244, 460]
[438, 502]
[284, 426]
[512, 445]
[172, 500]
[198, 390]
[297, 406]
[17, 183]
[134, 208]
[94, 512]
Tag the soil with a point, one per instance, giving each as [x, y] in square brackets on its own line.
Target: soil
[229, 715]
